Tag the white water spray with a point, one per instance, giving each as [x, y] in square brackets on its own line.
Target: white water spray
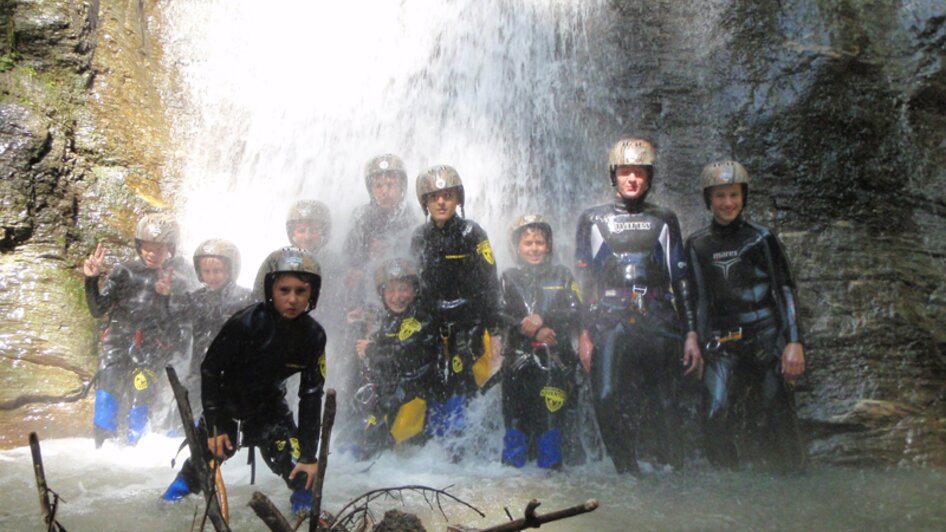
[288, 100]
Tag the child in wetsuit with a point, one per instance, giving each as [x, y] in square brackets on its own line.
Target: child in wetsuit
[217, 263]
[139, 339]
[542, 306]
[243, 379]
[398, 362]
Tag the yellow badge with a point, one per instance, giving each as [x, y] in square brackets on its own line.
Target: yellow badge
[322, 365]
[280, 445]
[554, 397]
[576, 290]
[296, 450]
[408, 328]
[484, 249]
[141, 380]
[372, 420]
[457, 364]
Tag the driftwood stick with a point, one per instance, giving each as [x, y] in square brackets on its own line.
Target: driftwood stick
[40, 480]
[266, 510]
[204, 472]
[534, 520]
[328, 420]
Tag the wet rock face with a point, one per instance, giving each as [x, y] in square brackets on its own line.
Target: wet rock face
[837, 110]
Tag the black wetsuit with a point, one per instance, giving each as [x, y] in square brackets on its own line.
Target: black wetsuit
[746, 315]
[206, 310]
[631, 268]
[538, 380]
[371, 223]
[460, 291]
[243, 384]
[400, 365]
[138, 342]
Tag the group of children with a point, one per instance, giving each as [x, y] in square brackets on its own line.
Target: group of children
[448, 326]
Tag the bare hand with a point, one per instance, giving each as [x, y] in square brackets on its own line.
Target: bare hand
[793, 361]
[309, 469]
[585, 348]
[530, 324]
[354, 315]
[361, 348]
[163, 284]
[92, 266]
[496, 350]
[692, 359]
[219, 446]
[546, 336]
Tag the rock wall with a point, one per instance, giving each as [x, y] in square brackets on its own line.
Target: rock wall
[837, 110]
[836, 107]
[81, 137]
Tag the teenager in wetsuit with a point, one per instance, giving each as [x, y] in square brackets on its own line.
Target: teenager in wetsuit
[630, 264]
[243, 379]
[460, 290]
[747, 319]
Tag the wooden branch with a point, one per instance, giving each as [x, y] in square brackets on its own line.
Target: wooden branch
[328, 420]
[268, 512]
[348, 513]
[533, 520]
[204, 473]
[48, 511]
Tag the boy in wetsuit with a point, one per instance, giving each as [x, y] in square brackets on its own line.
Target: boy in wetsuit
[217, 263]
[139, 339]
[398, 361]
[630, 263]
[460, 289]
[541, 302]
[747, 319]
[243, 379]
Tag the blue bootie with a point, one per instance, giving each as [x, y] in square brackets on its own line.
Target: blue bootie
[515, 447]
[301, 501]
[550, 449]
[178, 489]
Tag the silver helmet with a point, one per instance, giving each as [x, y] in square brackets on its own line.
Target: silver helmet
[222, 249]
[291, 260]
[160, 228]
[435, 179]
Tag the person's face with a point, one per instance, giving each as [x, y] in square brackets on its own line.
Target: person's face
[306, 236]
[213, 272]
[153, 254]
[630, 181]
[398, 295]
[291, 296]
[726, 202]
[387, 190]
[442, 205]
[533, 248]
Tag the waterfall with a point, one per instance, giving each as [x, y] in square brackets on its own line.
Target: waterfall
[286, 100]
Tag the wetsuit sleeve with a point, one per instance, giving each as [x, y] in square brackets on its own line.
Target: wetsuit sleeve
[679, 276]
[584, 257]
[784, 285]
[512, 307]
[100, 301]
[224, 348]
[698, 298]
[487, 281]
[311, 386]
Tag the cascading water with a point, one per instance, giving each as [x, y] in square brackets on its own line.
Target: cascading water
[286, 100]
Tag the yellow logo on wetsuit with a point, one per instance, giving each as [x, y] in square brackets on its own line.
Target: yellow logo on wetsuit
[372, 420]
[322, 365]
[457, 364]
[484, 249]
[408, 328]
[140, 380]
[576, 290]
[554, 397]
